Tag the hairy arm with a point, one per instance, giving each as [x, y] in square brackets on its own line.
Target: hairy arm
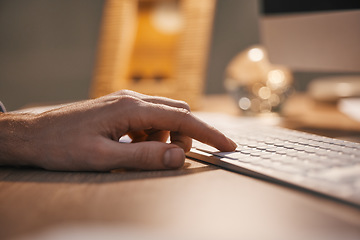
[85, 135]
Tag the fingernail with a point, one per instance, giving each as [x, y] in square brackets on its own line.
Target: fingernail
[174, 158]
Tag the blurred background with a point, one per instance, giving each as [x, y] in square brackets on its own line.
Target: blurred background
[48, 48]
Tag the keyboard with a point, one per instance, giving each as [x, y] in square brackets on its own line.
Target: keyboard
[322, 165]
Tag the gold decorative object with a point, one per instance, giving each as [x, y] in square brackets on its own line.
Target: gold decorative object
[257, 85]
[156, 47]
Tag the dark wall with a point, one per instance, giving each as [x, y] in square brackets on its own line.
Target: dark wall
[47, 49]
[235, 29]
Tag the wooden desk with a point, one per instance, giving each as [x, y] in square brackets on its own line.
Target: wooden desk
[196, 202]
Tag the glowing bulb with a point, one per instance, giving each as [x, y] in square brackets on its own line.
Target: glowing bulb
[167, 17]
[276, 78]
[256, 54]
[244, 103]
[264, 93]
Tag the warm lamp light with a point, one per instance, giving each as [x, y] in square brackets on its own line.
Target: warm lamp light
[257, 85]
[256, 54]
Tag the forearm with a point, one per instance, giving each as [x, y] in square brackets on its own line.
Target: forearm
[16, 131]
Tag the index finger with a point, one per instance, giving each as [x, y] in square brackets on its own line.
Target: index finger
[180, 120]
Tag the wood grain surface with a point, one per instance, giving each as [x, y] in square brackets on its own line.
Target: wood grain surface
[196, 202]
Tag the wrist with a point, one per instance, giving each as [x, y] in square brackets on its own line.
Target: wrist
[15, 137]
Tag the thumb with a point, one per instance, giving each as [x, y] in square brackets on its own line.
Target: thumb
[144, 155]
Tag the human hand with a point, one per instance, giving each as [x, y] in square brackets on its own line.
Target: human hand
[85, 135]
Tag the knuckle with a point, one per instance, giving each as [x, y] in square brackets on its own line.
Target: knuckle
[122, 97]
[184, 105]
[125, 92]
[127, 101]
[184, 113]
